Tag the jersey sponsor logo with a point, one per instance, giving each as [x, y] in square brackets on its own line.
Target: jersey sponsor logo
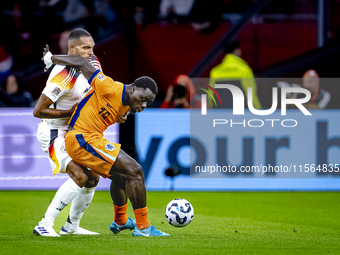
[101, 77]
[56, 91]
[109, 147]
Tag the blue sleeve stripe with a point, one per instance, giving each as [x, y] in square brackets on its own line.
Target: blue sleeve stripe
[80, 106]
[93, 75]
[123, 95]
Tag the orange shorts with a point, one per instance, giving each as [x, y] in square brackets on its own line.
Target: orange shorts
[92, 150]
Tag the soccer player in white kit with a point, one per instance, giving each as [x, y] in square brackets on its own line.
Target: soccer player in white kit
[64, 89]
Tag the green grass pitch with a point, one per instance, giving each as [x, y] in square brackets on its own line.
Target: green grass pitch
[224, 223]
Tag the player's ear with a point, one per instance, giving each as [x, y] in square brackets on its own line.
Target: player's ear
[72, 49]
[133, 88]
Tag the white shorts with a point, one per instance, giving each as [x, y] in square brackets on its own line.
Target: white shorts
[52, 142]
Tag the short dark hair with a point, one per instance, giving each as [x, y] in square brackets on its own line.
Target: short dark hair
[77, 33]
[146, 82]
[230, 47]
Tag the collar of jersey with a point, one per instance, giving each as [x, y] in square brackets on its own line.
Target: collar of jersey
[123, 95]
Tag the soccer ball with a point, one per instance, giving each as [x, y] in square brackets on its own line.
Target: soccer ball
[179, 212]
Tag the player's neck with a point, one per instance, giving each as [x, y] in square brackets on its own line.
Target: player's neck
[127, 93]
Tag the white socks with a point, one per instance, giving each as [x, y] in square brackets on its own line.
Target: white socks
[65, 194]
[79, 204]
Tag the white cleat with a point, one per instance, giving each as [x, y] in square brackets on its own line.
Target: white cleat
[78, 231]
[44, 230]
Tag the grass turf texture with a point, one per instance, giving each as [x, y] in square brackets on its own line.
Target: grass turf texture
[224, 223]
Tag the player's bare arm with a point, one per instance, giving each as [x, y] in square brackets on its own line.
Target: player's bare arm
[42, 110]
[75, 61]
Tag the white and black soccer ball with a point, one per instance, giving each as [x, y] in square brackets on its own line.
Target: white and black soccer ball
[179, 212]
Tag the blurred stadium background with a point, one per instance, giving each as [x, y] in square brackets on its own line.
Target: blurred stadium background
[162, 39]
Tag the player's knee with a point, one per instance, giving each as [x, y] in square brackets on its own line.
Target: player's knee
[138, 173]
[80, 179]
[93, 181]
[77, 173]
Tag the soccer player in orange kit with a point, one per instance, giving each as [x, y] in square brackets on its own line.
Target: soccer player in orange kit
[86, 145]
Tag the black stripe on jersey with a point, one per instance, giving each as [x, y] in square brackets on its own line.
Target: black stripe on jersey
[53, 135]
[72, 72]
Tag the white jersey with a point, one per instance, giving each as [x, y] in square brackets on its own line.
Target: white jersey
[66, 86]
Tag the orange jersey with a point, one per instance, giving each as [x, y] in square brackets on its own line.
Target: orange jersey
[101, 106]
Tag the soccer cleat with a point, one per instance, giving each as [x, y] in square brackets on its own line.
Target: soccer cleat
[150, 231]
[78, 231]
[44, 230]
[130, 224]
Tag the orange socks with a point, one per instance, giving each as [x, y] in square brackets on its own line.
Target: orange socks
[120, 214]
[142, 220]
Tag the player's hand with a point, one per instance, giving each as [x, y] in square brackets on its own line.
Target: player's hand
[122, 118]
[169, 93]
[181, 102]
[47, 58]
[74, 107]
